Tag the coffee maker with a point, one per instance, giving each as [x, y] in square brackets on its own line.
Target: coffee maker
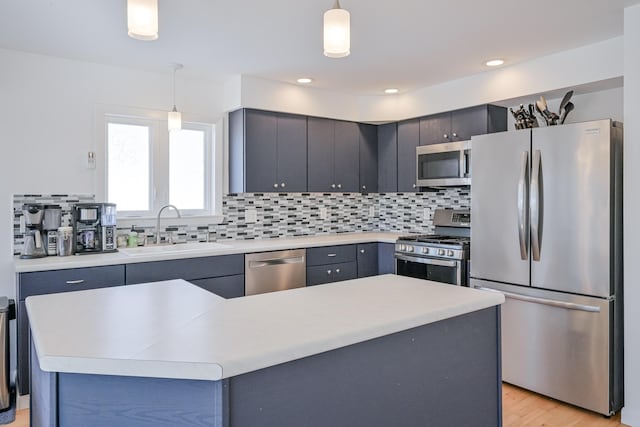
[94, 227]
[34, 246]
[52, 220]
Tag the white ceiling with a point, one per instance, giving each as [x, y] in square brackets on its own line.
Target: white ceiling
[396, 43]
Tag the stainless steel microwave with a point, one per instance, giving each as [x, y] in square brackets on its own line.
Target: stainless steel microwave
[442, 165]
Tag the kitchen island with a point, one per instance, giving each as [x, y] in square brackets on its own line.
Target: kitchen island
[384, 350]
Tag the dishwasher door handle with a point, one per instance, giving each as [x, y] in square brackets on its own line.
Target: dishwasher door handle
[276, 261]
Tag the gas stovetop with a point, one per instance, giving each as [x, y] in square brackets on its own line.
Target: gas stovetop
[437, 239]
[433, 246]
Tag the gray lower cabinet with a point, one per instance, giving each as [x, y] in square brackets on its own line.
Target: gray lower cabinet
[331, 264]
[226, 286]
[386, 260]
[321, 274]
[367, 254]
[50, 282]
[223, 275]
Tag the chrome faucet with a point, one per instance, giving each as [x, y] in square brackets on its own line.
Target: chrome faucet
[158, 220]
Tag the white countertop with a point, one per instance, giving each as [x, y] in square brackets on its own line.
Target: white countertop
[173, 329]
[194, 250]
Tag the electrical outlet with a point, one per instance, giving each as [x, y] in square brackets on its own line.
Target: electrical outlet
[372, 211]
[323, 213]
[250, 216]
[426, 213]
[91, 160]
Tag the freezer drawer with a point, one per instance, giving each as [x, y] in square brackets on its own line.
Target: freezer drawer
[557, 344]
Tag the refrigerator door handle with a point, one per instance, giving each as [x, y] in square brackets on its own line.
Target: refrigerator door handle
[545, 301]
[523, 209]
[534, 205]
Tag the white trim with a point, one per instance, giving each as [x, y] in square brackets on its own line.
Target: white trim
[216, 183]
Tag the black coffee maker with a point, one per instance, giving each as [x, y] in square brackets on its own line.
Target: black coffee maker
[34, 245]
[94, 227]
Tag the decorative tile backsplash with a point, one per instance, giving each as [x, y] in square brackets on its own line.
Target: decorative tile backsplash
[290, 214]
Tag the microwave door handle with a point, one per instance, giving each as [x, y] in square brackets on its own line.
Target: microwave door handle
[534, 205]
[523, 209]
[463, 164]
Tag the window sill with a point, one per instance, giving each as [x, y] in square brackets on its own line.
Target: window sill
[127, 222]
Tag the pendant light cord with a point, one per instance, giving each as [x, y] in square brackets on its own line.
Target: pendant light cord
[176, 67]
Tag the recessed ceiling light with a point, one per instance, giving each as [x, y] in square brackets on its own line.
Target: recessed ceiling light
[494, 62]
[391, 91]
[305, 80]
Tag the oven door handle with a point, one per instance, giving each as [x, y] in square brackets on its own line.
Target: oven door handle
[431, 261]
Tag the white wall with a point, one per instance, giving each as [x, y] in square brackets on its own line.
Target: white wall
[585, 65]
[631, 411]
[47, 125]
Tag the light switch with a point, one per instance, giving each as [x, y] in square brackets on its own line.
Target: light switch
[372, 211]
[323, 213]
[250, 216]
[91, 160]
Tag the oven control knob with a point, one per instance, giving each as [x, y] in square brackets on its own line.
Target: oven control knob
[410, 248]
[425, 250]
[441, 252]
[449, 253]
[402, 247]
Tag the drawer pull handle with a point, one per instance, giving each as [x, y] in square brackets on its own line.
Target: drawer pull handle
[75, 282]
[331, 255]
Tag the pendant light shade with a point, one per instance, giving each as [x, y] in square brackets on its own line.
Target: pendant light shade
[337, 32]
[174, 118]
[142, 19]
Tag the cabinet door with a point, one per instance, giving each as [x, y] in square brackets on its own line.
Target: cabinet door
[226, 287]
[319, 275]
[435, 129]
[367, 259]
[260, 151]
[345, 271]
[187, 269]
[76, 279]
[388, 158]
[408, 140]
[326, 255]
[292, 153]
[386, 261]
[321, 134]
[468, 122]
[346, 157]
[368, 158]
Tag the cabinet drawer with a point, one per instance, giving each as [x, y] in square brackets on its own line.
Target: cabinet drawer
[187, 269]
[50, 282]
[318, 275]
[226, 287]
[331, 255]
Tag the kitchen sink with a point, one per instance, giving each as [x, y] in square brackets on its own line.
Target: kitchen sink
[174, 249]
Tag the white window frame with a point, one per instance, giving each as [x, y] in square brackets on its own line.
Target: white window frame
[159, 168]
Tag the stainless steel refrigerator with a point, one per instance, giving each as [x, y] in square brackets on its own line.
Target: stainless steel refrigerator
[546, 231]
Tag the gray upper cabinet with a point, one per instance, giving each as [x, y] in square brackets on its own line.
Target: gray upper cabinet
[408, 141]
[333, 155]
[461, 125]
[368, 137]
[267, 152]
[388, 158]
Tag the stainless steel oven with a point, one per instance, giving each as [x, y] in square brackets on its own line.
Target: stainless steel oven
[441, 165]
[438, 257]
[453, 272]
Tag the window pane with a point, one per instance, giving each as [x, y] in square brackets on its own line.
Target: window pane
[187, 169]
[128, 166]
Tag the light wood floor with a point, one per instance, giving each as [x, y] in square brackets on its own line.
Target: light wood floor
[521, 408]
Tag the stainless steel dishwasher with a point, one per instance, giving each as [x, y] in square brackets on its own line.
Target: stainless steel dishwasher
[274, 271]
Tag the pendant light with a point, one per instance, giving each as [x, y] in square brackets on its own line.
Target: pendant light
[337, 32]
[142, 19]
[174, 118]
